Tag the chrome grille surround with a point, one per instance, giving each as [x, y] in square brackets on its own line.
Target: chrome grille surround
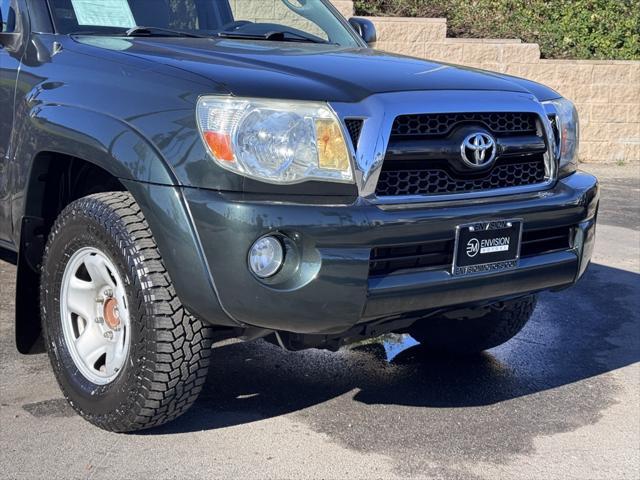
[380, 111]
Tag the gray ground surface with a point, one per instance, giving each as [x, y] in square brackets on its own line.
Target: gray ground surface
[560, 401]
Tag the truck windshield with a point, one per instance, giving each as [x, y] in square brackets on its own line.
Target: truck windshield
[274, 20]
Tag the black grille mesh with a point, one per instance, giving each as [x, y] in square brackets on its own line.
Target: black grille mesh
[438, 255]
[432, 255]
[443, 123]
[436, 181]
[354, 126]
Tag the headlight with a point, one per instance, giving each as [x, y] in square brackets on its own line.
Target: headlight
[564, 119]
[282, 142]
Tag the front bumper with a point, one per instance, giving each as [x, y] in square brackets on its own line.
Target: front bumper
[331, 290]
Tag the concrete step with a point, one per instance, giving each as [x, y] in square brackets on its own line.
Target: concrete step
[400, 29]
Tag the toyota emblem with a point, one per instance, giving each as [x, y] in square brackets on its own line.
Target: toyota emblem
[479, 150]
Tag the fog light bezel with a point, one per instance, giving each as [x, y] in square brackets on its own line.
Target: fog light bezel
[269, 274]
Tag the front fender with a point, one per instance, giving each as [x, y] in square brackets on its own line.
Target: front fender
[120, 149]
[171, 223]
[112, 144]
[109, 143]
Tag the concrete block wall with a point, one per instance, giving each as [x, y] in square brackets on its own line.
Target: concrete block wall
[257, 8]
[272, 11]
[345, 7]
[606, 93]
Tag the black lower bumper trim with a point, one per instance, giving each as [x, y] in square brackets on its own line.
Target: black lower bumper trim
[436, 289]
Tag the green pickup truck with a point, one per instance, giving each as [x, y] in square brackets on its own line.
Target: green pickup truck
[178, 172]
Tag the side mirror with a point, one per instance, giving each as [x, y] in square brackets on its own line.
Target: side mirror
[365, 28]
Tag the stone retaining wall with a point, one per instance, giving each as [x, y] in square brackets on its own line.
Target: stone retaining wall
[606, 93]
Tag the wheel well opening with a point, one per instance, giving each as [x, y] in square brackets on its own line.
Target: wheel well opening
[55, 181]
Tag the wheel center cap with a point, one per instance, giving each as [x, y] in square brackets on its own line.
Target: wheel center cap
[111, 313]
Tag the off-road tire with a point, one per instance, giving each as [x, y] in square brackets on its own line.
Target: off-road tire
[170, 349]
[471, 331]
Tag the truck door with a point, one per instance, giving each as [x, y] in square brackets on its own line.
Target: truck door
[9, 63]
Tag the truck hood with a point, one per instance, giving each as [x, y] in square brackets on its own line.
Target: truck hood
[308, 71]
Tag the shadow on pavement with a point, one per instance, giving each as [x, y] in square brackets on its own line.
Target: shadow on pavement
[575, 335]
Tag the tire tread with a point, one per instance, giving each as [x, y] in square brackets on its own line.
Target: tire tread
[181, 343]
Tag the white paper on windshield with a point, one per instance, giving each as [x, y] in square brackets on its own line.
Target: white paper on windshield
[104, 13]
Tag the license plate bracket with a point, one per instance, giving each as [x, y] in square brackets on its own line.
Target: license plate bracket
[487, 246]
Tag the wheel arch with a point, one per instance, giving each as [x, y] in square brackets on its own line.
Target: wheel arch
[63, 153]
[113, 144]
[50, 134]
[54, 180]
[75, 152]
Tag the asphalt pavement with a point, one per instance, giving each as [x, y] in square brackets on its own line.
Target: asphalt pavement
[560, 401]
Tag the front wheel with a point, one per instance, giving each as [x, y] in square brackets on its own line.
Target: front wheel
[474, 330]
[126, 353]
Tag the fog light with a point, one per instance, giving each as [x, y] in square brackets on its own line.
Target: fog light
[266, 257]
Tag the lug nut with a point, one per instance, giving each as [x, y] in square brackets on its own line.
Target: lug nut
[108, 335]
[99, 320]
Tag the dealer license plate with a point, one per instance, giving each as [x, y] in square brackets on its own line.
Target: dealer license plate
[487, 246]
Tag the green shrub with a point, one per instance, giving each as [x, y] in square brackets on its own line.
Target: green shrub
[582, 29]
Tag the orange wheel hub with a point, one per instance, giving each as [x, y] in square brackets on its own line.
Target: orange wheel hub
[111, 313]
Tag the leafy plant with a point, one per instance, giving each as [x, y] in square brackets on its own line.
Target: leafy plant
[579, 29]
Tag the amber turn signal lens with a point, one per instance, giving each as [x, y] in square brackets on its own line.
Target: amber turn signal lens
[220, 145]
[332, 149]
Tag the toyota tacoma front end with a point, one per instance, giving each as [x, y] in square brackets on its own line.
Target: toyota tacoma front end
[185, 172]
